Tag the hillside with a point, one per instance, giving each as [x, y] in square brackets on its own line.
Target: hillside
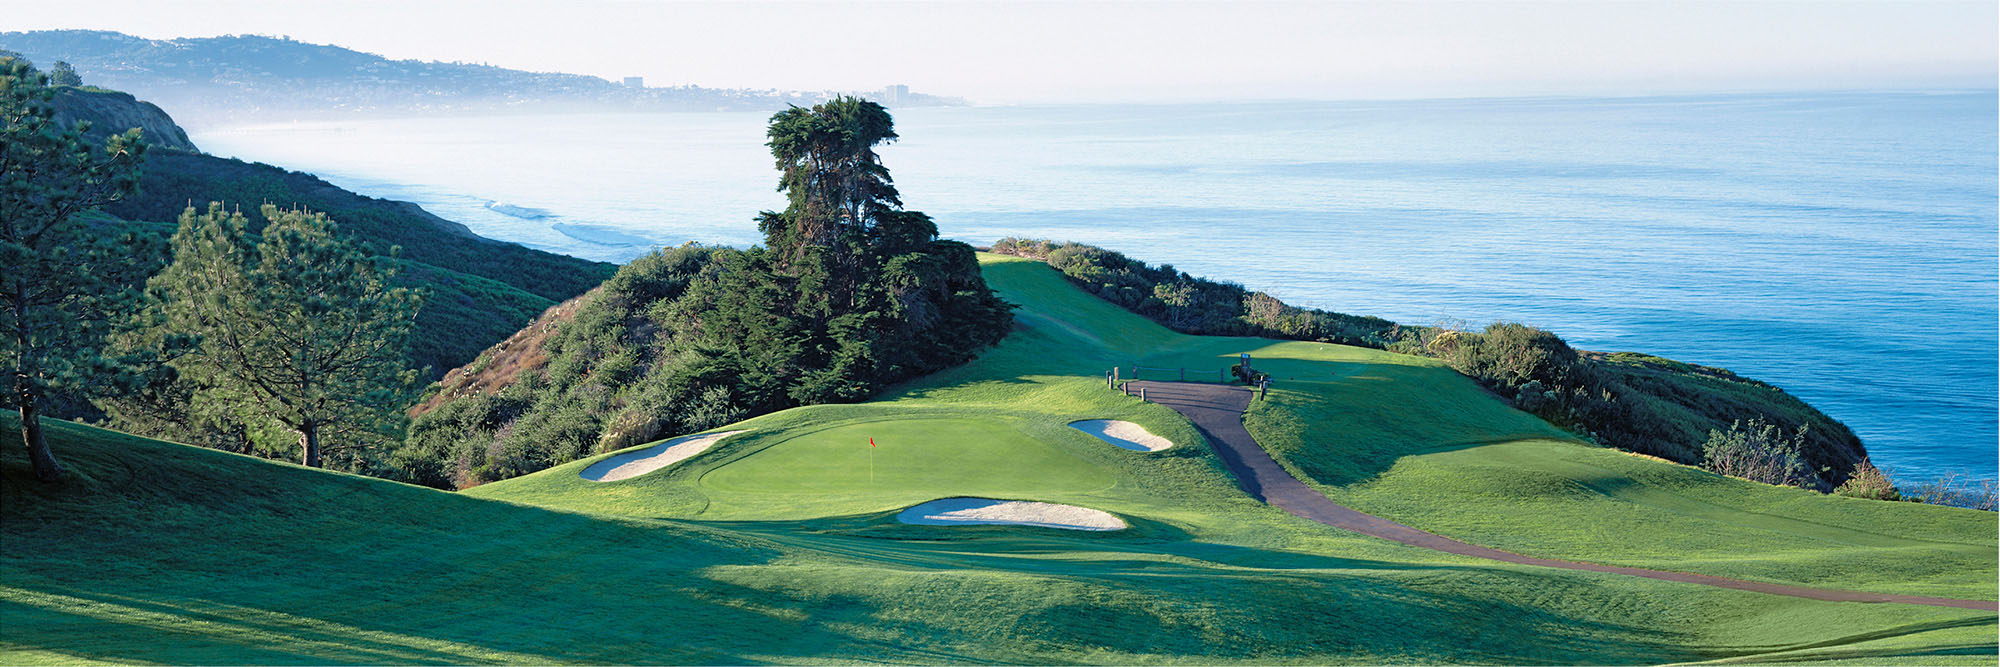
[775, 546]
[482, 290]
[111, 112]
[243, 77]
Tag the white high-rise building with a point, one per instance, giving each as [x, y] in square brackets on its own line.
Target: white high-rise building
[896, 94]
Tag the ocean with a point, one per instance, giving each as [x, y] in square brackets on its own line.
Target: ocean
[1839, 245]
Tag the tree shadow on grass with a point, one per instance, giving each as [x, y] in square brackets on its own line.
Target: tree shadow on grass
[131, 629]
[921, 389]
[191, 556]
[1846, 647]
[1088, 609]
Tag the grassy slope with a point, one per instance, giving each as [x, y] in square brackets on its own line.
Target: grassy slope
[175, 554]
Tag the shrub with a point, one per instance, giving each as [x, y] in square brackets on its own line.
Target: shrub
[1199, 306]
[1868, 481]
[1956, 491]
[1760, 452]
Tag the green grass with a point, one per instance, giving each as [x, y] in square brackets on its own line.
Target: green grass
[833, 470]
[1495, 476]
[773, 547]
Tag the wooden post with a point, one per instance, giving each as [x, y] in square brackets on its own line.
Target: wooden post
[1263, 387]
[1183, 373]
[1114, 373]
[1142, 393]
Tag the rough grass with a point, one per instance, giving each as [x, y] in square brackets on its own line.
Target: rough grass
[163, 553]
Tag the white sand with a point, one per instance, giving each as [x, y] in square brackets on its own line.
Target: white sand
[634, 464]
[972, 511]
[1123, 434]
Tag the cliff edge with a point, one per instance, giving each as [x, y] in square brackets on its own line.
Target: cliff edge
[111, 112]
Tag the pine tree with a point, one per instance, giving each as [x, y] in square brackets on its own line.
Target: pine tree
[298, 329]
[837, 191]
[885, 296]
[62, 74]
[63, 279]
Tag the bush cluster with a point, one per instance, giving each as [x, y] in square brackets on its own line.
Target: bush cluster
[692, 338]
[1195, 305]
[1868, 482]
[1955, 490]
[1759, 452]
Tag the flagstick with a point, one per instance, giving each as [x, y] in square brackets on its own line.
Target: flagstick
[871, 463]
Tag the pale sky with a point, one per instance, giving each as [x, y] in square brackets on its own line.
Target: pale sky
[1023, 52]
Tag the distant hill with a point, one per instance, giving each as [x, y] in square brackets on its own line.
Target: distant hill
[244, 77]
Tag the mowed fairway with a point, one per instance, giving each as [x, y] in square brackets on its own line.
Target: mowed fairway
[773, 546]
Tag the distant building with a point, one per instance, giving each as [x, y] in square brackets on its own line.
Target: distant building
[635, 82]
[895, 94]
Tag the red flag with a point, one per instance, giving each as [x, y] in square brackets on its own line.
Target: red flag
[871, 442]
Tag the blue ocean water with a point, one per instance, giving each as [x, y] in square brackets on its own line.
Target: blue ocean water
[1839, 245]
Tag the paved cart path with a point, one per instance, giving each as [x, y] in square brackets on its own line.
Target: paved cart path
[1217, 411]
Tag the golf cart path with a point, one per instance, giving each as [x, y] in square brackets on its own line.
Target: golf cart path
[1217, 412]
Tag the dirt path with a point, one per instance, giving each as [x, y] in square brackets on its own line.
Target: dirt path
[1217, 411]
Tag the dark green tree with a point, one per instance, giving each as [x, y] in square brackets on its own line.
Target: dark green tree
[62, 74]
[63, 279]
[837, 192]
[834, 182]
[882, 296]
[297, 329]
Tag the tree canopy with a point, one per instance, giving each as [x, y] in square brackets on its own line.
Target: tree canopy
[64, 278]
[297, 329]
[62, 74]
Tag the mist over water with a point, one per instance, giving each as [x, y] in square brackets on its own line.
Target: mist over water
[1839, 245]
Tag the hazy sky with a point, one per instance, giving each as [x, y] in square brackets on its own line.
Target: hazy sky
[1032, 52]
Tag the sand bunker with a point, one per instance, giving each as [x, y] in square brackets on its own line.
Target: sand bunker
[634, 464]
[973, 511]
[1123, 434]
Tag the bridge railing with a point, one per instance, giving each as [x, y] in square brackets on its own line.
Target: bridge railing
[1116, 379]
[1175, 373]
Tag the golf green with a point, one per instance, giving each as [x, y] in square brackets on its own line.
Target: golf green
[835, 470]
